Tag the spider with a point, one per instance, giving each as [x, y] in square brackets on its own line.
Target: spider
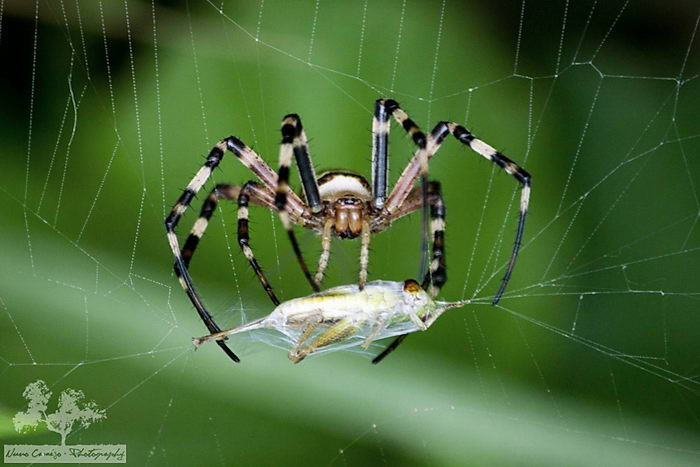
[338, 204]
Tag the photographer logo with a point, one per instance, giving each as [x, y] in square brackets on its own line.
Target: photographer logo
[71, 412]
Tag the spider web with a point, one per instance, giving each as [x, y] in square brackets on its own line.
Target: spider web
[590, 358]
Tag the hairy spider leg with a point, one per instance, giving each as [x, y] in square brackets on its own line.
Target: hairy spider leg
[294, 142]
[403, 186]
[325, 250]
[436, 277]
[258, 195]
[244, 241]
[252, 161]
[213, 160]
[384, 108]
[380, 153]
[365, 236]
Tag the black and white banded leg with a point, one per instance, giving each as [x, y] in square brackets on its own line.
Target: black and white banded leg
[252, 161]
[384, 108]
[258, 195]
[404, 184]
[380, 153]
[202, 175]
[464, 136]
[436, 276]
[244, 240]
[294, 142]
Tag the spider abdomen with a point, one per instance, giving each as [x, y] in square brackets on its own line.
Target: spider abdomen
[338, 183]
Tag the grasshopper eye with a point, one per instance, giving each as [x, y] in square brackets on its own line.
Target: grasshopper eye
[411, 286]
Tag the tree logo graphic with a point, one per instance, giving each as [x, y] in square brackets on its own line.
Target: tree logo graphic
[71, 410]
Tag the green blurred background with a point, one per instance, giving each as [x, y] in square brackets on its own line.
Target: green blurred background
[590, 359]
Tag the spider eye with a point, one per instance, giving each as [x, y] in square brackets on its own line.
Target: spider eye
[412, 286]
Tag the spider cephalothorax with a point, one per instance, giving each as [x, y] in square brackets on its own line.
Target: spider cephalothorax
[346, 201]
[338, 204]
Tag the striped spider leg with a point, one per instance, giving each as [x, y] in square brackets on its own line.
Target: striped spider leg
[436, 276]
[294, 142]
[383, 110]
[261, 194]
[403, 186]
[404, 191]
